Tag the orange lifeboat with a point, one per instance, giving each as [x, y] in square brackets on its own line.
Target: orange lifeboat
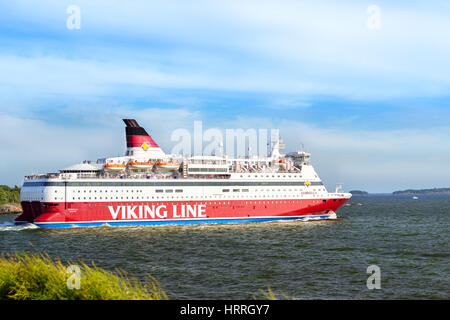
[115, 166]
[138, 165]
[282, 163]
[168, 166]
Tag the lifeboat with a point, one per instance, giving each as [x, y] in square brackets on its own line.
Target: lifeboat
[115, 166]
[168, 166]
[282, 163]
[138, 165]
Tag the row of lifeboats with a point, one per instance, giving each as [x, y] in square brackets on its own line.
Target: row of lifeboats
[138, 165]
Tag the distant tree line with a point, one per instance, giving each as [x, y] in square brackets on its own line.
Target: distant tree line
[9, 195]
[424, 191]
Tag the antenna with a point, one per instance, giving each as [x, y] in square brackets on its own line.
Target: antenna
[221, 151]
[281, 145]
[338, 188]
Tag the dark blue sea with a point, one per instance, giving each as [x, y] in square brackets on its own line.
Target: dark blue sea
[407, 239]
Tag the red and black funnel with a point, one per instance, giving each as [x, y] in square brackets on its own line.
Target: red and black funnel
[137, 136]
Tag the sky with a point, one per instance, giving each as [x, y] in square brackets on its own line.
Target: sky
[362, 85]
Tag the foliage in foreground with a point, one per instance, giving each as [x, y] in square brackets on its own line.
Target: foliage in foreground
[270, 295]
[38, 277]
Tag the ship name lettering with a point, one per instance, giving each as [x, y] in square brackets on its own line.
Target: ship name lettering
[187, 211]
[143, 212]
[157, 212]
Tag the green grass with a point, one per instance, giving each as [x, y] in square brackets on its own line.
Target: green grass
[38, 277]
[270, 295]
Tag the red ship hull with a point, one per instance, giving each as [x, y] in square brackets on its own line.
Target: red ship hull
[86, 214]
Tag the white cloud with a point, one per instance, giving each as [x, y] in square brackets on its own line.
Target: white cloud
[34, 146]
[310, 48]
[288, 49]
[373, 160]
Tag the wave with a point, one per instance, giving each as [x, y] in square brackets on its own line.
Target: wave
[9, 226]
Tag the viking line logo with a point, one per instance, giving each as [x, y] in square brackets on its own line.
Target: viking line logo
[144, 146]
[158, 212]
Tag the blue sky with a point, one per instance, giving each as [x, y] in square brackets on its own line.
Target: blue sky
[373, 105]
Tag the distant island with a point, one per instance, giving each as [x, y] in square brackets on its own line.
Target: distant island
[359, 192]
[424, 191]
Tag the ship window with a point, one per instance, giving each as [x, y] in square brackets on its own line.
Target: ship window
[159, 191]
[169, 191]
[179, 190]
[225, 190]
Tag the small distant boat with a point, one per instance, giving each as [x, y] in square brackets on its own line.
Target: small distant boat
[415, 198]
[349, 204]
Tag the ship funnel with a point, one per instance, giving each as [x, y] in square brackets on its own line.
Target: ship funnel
[139, 142]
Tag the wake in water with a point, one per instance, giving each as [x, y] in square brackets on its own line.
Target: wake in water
[9, 226]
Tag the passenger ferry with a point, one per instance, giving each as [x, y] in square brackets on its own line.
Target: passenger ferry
[146, 186]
